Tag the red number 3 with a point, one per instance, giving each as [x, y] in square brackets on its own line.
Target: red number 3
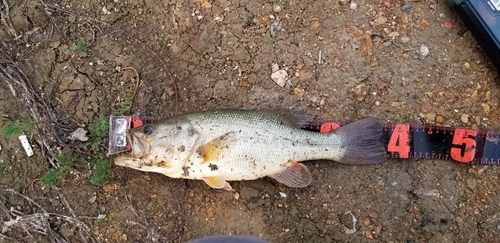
[467, 150]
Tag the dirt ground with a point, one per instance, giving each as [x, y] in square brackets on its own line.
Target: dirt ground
[343, 60]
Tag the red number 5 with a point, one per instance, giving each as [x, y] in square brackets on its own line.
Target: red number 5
[467, 150]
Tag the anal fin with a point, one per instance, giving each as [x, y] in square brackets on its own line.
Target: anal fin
[296, 175]
[218, 182]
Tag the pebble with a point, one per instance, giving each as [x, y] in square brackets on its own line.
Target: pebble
[277, 9]
[486, 108]
[424, 51]
[92, 199]
[430, 117]
[440, 119]
[403, 39]
[353, 5]
[464, 118]
[79, 134]
[299, 91]
[280, 77]
[379, 20]
[406, 6]
[424, 22]
[275, 28]
[349, 222]
[405, 18]
[314, 23]
[360, 91]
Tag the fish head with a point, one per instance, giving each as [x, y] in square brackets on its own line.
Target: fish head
[162, 147]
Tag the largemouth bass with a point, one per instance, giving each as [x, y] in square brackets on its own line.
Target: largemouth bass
[233, 145]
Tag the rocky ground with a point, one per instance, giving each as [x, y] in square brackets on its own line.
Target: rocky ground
[405, 62]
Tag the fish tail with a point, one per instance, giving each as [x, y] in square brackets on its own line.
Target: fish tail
[361, 140]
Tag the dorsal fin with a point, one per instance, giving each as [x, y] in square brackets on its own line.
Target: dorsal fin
[292, 118]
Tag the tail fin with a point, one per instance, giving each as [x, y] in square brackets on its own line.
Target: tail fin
[361, 142]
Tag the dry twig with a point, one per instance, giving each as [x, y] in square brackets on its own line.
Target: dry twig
[40, 222]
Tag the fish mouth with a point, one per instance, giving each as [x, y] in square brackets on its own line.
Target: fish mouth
[140, 146]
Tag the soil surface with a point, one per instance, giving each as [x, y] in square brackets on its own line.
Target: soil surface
[340, 61]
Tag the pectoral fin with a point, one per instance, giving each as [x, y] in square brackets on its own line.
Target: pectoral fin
[218, 183]
[296, 175]
[217, 148]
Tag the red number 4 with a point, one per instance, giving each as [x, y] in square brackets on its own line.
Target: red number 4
[467, 150]
[399, 141]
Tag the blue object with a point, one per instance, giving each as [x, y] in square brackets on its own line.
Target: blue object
[482, 17]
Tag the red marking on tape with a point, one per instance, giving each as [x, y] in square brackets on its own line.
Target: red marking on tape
[328, 127]
[465, 139]
[136, 122]
[399, 142]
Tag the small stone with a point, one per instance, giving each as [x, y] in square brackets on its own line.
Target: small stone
[440, 119]
[353, 5]
[92, 199]
[110, 187]
[275, 67]
[367, 47]
[394, 34]
[206, 4]
[430, 117]
[277, 9]
[314, 23]
[403, 39]
[343, 2]
[379, 20]
[387, 43]
[360, 92]
[464, 118]
[387, 4]
[79, 134]
[424, 51]
[349, 222]
[236, 196]
[405, 18]
[377, 103]
[467, 65]
[299, 91]
[280, 77]
[486, 108]
[478, 120]
[424, 23]
[487, 95]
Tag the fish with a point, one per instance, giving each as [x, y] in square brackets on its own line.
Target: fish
[218, 146]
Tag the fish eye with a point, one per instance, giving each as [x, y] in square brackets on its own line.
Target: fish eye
[148, 129]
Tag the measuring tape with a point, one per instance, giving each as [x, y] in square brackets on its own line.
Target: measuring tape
[434, 142]
[403, 141]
